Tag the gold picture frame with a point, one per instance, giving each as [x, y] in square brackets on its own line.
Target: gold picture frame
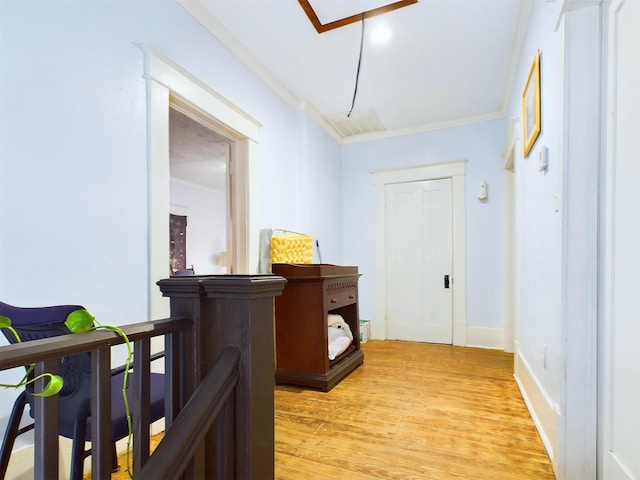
[531, 106]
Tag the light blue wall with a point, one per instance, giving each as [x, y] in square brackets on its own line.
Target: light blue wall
[323, 191]
[73, 151]
[302, 193]
[74, 148]
[480, 145]
[73, 168]
[539, 197]
[206, 212]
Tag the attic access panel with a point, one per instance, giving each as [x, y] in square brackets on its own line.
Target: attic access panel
[332, 12]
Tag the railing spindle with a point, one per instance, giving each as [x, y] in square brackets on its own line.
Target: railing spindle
[219, 366]
[46, 425]
[101, 413]
[172, 391]
[141, 401]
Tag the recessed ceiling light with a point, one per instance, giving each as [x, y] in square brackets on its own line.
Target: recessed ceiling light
[380, 35]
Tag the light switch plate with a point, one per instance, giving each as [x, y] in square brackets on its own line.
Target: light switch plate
[543, 162]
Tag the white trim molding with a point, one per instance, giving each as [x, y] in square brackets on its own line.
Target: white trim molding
[543, 412]
[578, 403]
[171, 86]
[456, 171]
[511, 268]
[201, 14]
[219, 113]
[513, 135]
[484, 337]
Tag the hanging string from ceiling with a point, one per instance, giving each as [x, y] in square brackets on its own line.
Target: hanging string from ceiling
[355, 90]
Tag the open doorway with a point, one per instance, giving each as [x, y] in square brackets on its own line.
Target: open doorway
[199, 160]
[171, 86]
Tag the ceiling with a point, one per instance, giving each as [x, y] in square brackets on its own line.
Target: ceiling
[448, 62]
[197, 154]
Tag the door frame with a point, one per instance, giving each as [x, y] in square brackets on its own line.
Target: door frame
[609, 463]
[456, 171]
[510, 239]
[412, 209]
[171, 86]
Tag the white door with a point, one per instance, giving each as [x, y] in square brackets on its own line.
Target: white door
[418, 220]
[619, 382]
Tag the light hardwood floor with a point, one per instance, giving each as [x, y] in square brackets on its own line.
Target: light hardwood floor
[411, 411]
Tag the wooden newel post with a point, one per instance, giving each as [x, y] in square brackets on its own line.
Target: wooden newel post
[236, 310]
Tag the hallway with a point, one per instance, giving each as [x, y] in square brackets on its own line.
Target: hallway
[412, 410]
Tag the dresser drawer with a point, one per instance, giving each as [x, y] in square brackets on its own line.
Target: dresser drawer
[341, 294]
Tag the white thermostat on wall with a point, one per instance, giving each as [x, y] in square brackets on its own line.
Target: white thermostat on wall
[482, 191]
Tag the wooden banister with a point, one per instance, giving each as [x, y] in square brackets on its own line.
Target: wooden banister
[235, 310]
[219, 381]
[195, 419]
[19, 354]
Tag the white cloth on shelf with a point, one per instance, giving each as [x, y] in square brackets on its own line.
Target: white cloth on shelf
[336, 321]
[339, 335]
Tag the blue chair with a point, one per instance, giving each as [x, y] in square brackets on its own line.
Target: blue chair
[74, 398]
[184, 272]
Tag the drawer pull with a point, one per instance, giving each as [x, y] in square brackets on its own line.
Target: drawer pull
[352, 296]
[333, 300]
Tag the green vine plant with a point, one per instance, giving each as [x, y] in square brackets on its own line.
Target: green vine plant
[54, 383]
[79, 321]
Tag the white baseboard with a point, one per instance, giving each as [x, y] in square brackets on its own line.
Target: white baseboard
[542, 410]
[21, 464]
[480, 337]
[21, 461]
[483, 337]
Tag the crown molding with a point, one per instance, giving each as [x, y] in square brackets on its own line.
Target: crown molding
[202, 15]
[459, 122]
[521, 31]
[565, 6]
[213, 26]
[322, 121]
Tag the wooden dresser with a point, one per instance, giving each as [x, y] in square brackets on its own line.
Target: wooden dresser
[311, 292]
